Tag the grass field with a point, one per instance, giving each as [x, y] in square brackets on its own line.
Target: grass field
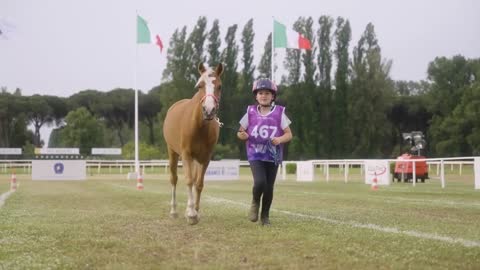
[105, 223]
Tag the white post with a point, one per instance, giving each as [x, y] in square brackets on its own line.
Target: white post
[346, 172]
[328, 172]
[476, 171]
[442, 173]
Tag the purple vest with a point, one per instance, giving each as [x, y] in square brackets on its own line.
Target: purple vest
[261, 129]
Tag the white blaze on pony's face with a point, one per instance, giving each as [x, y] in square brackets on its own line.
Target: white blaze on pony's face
[210, 81]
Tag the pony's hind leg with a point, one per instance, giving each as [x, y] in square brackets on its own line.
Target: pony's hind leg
[173, 163]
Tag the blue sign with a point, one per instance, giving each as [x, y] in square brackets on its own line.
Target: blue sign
[58, 168]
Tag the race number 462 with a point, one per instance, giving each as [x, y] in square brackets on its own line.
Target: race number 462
[264, 131]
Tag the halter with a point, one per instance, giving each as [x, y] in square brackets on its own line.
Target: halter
[210, 95]
[209, 85]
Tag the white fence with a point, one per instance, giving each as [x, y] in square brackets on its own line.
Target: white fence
[437, 163]
[124, 166]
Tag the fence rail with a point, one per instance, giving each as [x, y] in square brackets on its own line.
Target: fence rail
[124, 166]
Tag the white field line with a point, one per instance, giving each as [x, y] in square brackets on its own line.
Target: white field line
[4, 197]
[422, 235]
[402, 199]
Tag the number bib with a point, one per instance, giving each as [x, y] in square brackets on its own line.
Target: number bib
[261, 129]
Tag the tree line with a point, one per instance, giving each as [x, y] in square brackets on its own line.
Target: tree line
[342, 104]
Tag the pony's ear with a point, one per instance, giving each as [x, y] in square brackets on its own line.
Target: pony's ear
[219, 69]
[201, 68]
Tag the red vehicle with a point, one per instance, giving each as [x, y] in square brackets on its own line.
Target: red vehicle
[404, 168]
[404, 165]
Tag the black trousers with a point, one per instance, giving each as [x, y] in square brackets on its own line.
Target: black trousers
[264, 174]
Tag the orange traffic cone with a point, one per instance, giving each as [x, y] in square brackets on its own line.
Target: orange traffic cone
[374, 185]
[139, 182]
[13, 182]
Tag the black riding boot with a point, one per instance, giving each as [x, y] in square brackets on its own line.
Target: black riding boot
[264, 219]
[253, 215]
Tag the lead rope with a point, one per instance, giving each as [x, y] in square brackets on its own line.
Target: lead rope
[220, 124]
[274, 151]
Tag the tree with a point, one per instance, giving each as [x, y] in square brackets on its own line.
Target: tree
[243, 95]
[324, 59]
[89, 99]
[214, 43]
[13, 120]
[117, 109]
[229, 83]
[149, 106]
[265, 65]
[39, 113]
[247, 58]
[449, 78]
[370, 98]
[339, 135]
[194, 48]
[176, 58]
[455, 127]
[82, 130]
[324, 96]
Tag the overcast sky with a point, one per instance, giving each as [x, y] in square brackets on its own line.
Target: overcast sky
[60, 47]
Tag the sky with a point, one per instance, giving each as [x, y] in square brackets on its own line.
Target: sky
[61, 47]
[58, 47]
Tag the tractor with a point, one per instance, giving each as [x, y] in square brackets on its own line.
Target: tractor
[404, 165]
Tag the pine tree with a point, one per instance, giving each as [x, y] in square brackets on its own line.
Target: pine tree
[265, 65]
[339, 137]
[370, 97]
[229, 85]
[214, 44]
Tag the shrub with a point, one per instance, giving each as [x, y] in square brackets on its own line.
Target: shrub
[291, 168]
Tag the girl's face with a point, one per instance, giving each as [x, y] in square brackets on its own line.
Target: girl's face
[264, 97]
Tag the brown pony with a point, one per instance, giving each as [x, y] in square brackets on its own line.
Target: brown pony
[191, 130]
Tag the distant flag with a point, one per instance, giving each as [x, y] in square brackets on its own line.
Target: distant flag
[284, 38]
[144, 35]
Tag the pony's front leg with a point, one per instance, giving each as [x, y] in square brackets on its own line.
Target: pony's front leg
[173, 163]
[190, 213]
[201, 169]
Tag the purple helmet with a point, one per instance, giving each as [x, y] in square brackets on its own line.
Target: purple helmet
[264, 84]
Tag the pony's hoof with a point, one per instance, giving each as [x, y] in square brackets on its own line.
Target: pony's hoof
[174, 215]
[193, 220]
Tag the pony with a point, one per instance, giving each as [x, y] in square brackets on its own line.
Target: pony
[191, 129]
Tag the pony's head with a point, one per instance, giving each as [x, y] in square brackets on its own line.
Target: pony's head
[211, 83]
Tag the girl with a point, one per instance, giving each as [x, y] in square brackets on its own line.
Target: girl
[265, 128]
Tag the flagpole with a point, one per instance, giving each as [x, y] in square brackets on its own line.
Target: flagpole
[273, 52]
[137, 163]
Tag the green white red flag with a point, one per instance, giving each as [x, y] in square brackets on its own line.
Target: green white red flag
[145, 36]
[284, 38]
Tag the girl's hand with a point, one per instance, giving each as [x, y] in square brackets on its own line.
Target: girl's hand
[276, 141]
[242, 135]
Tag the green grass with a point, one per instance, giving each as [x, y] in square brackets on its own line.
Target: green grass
[105, 223]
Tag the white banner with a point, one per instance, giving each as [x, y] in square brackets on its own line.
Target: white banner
[476, 170]
[305, 171]
[106, 151]
[377, 168]
[57, 151]
[10, 151]
[59, 170]
[223, 170]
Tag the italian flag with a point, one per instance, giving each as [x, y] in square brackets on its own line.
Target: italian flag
[144, 35]
[283, 38]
